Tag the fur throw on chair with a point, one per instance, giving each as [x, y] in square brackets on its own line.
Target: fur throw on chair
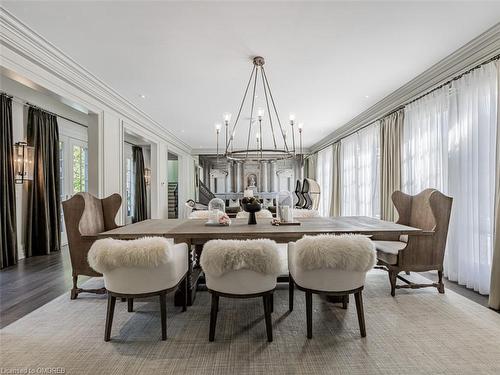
[348, 252]
[304, 213]
[199, 214]
[262, 214]
[221, 256]
[148, 252]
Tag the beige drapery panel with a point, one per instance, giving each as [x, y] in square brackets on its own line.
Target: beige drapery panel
[391, 136]
[311, 166]
[336, 192]
[494, 301]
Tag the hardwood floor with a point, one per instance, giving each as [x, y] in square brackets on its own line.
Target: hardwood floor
[36, 281]
[32, 283]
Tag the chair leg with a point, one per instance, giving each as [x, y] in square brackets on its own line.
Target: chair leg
[74, 291]
[271, 302]
[130, 304]
[184, 303]
[392, 279]
[267, 300]
[124, 299]
[109, 317]
[309, 313]
[213, 316]
[361, 315]
[440, 282]
[291, 286]
[345, 301]
[163, 309]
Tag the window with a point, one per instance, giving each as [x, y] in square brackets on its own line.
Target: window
[80, 169]
[129, 186]
[360, 173]
[324, 179]
[450, 144]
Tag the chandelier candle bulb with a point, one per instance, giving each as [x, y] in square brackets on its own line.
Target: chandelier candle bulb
[227, 117]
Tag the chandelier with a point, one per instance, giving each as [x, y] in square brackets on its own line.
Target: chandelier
[266, 137]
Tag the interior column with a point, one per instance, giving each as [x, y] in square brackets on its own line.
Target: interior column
[273, 177]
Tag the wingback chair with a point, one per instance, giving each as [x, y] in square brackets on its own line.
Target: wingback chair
[430, 211]
[85, 216]
[311, 192]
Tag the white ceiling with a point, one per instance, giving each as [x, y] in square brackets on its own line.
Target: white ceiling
[326, 62]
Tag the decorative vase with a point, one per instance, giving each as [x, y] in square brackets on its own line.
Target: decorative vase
[252, 207]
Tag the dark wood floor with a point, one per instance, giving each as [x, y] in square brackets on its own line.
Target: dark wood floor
[35, 281]
[32, 283]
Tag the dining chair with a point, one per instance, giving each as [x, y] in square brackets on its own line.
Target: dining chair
[241, 269]
[141, 268]
[84, 217]
[330, 265]
[262, 214]
[430, 211]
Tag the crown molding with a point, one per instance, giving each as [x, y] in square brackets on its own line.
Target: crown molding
[21, 39]
[478, 50]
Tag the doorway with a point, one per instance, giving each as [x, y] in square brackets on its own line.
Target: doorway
[173, 185]
[73, 163]
[130, 179]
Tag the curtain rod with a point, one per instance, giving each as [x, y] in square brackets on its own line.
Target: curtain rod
[55, 114]
[26, 103]
[402, 106]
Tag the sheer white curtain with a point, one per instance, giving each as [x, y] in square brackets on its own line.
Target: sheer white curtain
[425, 136]
[450, 144]
[471, 177]
[360, 172]
[324, 174]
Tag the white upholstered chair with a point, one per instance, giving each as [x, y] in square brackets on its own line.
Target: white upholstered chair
[241, 269]
[330, 265]
[262, 214]
[304, 213]
[198, 214]
[139, 268]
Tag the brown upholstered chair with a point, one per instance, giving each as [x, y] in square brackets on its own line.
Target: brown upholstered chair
[85, 216]
[430, 211]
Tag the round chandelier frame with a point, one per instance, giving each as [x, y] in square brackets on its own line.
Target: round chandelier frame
[280, 149]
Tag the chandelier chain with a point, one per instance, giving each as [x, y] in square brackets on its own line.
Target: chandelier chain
[241, 107]
[275, 110]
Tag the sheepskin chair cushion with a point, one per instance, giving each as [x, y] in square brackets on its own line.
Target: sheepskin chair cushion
[221, 256]
[262, 214]
[199, 214]
[148, 252]
[348, 252]
[303, 213]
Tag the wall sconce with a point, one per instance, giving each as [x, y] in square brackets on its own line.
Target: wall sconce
[147, 176]
[23, 162]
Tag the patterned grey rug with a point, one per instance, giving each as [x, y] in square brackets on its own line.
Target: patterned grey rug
[417, 332]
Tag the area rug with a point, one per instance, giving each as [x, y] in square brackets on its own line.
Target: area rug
[416, 332]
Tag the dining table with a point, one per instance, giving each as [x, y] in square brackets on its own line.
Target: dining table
[196, 232]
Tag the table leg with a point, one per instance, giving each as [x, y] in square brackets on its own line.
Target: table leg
[193, 275]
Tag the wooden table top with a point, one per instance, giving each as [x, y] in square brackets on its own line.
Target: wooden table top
[182, 229]
[151, 227]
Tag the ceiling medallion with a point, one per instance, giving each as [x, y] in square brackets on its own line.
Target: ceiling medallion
[274, 145]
